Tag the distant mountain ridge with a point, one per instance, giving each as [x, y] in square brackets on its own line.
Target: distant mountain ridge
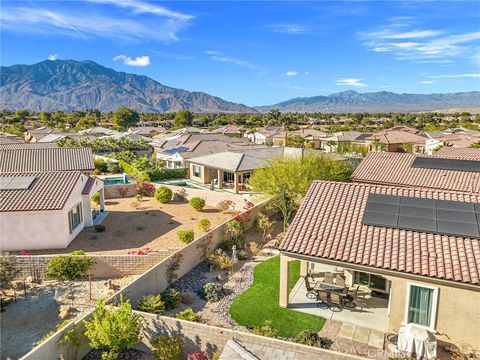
[69, 85]
[352, 101]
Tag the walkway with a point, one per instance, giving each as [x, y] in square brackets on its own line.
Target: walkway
[362, 335]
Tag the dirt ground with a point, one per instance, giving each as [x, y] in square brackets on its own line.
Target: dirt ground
[147, 224]
[26, 321]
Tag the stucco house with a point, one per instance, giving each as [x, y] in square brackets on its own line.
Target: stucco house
[45, 196]
[413, 254]
[397, 139]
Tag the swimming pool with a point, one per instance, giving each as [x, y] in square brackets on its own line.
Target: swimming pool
[115, 180]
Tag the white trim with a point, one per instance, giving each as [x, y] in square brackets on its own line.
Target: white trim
[433, 310]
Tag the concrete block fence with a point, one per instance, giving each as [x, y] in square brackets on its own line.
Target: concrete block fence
[106, 266]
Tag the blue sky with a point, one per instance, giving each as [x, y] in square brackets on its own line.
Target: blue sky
[258, 53]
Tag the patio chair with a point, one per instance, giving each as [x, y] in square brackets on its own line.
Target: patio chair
[328, 278]
[336, 302]
[340, 280]
[323, 299]
[311, 294]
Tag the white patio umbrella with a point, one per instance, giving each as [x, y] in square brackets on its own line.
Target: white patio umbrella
[414, 339]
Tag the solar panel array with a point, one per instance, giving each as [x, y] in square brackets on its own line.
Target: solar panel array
[16, 182]
[446, 164]
[442, 217]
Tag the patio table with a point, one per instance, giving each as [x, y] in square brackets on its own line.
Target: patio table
[322, 286]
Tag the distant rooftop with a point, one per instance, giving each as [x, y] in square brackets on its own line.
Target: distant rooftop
[469, 153]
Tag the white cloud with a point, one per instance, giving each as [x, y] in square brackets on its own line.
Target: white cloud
[291, 73]
[53, 57]
[138, 61]
[420, 45]
[293, 29]
[99, 23]
[355, 82]
[455, 76]
[221, 57]
[427, 82]
[306, 73]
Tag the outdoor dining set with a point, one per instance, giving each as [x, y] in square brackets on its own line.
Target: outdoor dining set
[331, 291]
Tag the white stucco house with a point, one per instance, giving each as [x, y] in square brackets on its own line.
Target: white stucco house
[45, 197]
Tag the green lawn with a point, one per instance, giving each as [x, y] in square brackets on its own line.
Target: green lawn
[260, 302]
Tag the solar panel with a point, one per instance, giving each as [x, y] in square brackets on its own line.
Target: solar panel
[446, 164]
[454, 218]
[16, 182]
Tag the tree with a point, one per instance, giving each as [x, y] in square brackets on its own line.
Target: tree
[8, 270]
[286, 180]
[183, 118]
[124, 117]
[69, 267]
[113, 331]
[295, 141]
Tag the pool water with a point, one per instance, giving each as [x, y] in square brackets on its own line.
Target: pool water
[119, 180]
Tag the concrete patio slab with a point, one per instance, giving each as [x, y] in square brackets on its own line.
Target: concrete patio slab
[376, 339]
[361, 335]
[347, 331]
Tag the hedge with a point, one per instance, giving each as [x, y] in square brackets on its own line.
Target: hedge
[166, 174]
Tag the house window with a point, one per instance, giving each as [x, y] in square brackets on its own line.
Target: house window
[421, 305]
[197, 172]
[75, 217]
[245, 177]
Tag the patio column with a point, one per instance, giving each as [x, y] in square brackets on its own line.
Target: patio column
[219, 178]
[284, 270]
[235, 182]
[303, 267]
[102, 199]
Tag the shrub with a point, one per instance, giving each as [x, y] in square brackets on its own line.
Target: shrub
[242, 255]
[197, 203]
[101, 165]
[152, 304]
[8, 270]
[96, 198]
[213, 292]
[199, 355]
[171, 298]
[97, 172]
[144, 188]
[99, 228]
[113, 330]
[216, 355]
[187, 314]
[254, 248]
[204, 224]
[186, 236]
[266, 329]
[113, 167]
[69, 267]
[220, 260]
[308, 337]
[223, 205]
[163, 194]
[166, 348]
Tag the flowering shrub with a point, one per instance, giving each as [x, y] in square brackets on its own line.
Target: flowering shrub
[144, 251]
[144, 188]
[199, 355]
[248, 204]
[224, 205]
[181, 195]
[25, 252]
[173, 266]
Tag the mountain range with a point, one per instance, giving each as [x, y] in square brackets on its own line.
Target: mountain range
[68, 85]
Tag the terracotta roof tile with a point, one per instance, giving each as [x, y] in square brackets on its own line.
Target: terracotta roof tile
[472, 153]
[396, 169]
[328, 225]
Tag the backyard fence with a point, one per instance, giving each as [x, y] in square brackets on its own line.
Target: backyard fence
[106, 266]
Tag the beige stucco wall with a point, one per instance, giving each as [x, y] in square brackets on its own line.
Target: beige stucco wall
[37, 230]
[205, 174]
[458, 311]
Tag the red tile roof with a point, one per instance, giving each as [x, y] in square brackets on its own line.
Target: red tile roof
[328, 225]
[396, 169]
[49, 191]
[472, 153]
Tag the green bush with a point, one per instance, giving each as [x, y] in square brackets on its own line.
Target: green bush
[266, 329]
[101, 165]
[113, 168]
[96, 198]
[69, 267]
[171, 298]
[186, 236]
[213, 292]
[242, 255]
[166, 348]
[163, 194]
[308, 337]
[160, 174]
[113, 331]
[197, 203]
[187, 314]
[204, 224]
[152, 304]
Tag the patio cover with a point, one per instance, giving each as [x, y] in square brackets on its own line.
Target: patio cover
[413, 339]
